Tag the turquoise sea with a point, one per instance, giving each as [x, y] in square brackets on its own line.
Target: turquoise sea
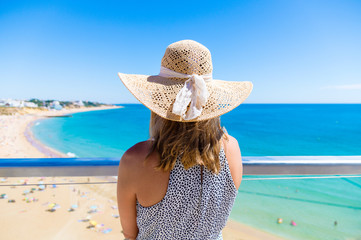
[326, 208]
[261, 130]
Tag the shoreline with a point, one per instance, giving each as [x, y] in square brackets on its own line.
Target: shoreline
[17, 140]
[43, 148]
[238, 230]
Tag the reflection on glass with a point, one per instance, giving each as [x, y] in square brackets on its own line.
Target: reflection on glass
[316, 207]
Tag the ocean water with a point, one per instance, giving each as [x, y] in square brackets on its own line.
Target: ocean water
[262, 130]
[104, 133]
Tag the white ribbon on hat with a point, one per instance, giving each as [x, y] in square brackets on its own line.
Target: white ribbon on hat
[194, 92]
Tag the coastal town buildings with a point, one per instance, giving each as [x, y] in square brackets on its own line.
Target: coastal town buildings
[48, 104]
[56, 105]
[16, 103]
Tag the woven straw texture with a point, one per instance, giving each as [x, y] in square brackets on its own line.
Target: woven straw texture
[188, 57]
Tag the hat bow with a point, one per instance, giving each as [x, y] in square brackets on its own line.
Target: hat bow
[194, 92]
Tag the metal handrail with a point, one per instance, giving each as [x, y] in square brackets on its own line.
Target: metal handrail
[263, 165]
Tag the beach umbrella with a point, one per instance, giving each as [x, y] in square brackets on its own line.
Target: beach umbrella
[3, 196]
[93, 223]
[107, 230]
[51, 205]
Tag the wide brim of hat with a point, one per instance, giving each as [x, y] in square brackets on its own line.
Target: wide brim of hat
[159, 93]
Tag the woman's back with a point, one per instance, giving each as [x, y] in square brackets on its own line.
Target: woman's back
[175, 202]
[196, 205]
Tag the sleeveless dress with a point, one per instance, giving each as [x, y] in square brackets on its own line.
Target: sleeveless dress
[191, 208]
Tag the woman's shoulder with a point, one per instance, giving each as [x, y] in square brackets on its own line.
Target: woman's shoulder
[139, 156]
[231, 139]
[136, 154]
[140, 148]
[230, 143]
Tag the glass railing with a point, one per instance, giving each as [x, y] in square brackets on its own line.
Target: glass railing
[298, 197]
[301, 207]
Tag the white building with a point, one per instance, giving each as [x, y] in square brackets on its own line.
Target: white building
[30, 104]
[78, 103]
[56, 105]
[13, 103]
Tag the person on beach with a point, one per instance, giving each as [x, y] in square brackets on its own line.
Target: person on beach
[182, 182]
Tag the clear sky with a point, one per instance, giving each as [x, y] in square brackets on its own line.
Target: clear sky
[293, 51]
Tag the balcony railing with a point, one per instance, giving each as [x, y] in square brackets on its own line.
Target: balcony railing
[265, 165]
[319, 193]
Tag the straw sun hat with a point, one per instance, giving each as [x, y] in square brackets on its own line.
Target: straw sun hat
[184, 90]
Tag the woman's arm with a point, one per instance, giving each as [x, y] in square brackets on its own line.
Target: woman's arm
[233, 154]
[126, 194]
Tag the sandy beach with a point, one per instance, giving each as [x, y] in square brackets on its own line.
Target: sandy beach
[80, 211]
[64, 209]
[16, 140]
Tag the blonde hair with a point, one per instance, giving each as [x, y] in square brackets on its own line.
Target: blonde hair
[195, 142]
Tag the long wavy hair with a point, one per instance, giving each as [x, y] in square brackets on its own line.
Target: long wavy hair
[195, 142]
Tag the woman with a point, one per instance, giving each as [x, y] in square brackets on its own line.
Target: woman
[181, 184]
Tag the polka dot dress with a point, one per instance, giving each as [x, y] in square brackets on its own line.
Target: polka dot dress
[191, 208]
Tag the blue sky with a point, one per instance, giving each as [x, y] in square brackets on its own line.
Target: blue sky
[293, 51]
